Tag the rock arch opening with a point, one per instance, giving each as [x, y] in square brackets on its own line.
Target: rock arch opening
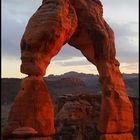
[70, 59]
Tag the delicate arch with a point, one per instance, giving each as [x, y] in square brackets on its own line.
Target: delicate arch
[81, 24]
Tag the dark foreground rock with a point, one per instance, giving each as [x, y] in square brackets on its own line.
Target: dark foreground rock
[76, 117]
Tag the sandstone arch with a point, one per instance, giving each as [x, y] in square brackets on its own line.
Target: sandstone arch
[81, 24]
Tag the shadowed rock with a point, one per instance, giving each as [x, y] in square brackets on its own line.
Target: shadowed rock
[126, 136]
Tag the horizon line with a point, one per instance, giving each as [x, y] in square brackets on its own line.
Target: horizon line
[63, 74]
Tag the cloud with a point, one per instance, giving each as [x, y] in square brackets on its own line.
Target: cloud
[120, 4]
[126, 41]
[67, 52]
[15, 14]
[129, 68]
[121, 10]
[75, 61]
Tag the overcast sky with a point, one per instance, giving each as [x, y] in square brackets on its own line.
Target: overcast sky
[122, 16]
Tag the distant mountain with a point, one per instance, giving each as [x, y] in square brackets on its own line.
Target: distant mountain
[92, 81]
[69, 74]
[129, 76]
[68, 83]
[9, 89]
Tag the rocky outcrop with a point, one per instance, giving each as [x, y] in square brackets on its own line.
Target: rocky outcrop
[81, 24]
[77, 117]
[32, 111]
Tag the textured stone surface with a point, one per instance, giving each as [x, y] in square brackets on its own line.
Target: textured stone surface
[126, 136]
[76, 117]
[95, 39]
[32, 108]
[73, 128]
[81, 24]
[116, 109]
[92, 33]
[47, 30]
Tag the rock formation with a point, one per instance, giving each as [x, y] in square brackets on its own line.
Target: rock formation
[77, 117]
[32, 112]
[81, 24]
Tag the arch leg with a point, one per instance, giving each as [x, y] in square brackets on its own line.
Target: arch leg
[116, 114]
[95, 39]
[116, 110]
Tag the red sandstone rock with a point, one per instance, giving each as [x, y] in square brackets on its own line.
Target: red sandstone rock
[116, 114]
[32, 108]
[76, 117]
[116, 109]
[81, 24]
[95, 39]
[46, 32]
[75, 110]
[86, 111]
[125, 136]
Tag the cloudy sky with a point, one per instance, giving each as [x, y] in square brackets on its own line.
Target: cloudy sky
[122, 16]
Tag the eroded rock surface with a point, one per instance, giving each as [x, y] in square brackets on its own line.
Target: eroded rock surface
[47, 31]
[81, 24]
[77, 117]
[32, 112]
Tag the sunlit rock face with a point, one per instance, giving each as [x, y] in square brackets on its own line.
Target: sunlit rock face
[116, 110]
[46, 32]
[81, 24]
[31, 110]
